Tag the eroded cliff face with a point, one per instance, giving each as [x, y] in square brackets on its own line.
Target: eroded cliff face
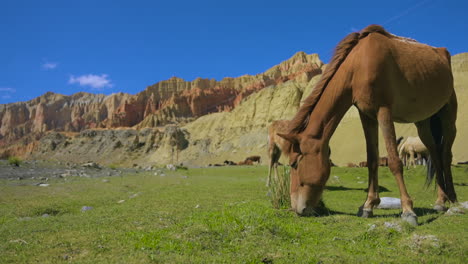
[213, 121]
[174, 101]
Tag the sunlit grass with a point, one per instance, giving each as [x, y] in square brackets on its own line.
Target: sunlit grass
[219, 215]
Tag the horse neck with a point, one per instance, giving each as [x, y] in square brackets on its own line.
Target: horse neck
[330, 109]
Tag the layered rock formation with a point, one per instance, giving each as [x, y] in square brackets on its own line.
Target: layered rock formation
[213, 120]
[174, 101]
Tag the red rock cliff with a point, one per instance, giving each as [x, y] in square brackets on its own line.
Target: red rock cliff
[171, 101]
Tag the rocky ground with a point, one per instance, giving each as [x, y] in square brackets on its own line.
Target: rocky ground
[43, 171]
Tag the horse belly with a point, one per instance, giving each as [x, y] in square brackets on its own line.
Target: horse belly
[415, 103]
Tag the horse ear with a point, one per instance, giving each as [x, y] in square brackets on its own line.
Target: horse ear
[289, 137]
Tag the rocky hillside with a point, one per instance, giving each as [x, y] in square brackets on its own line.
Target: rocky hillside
[198, 123]
[174, 101]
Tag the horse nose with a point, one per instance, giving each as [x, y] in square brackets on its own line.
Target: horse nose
[304, 211]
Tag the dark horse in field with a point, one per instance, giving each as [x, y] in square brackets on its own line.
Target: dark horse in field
[388, 78]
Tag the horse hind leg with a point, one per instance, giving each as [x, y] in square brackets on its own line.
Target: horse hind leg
[394, 163]
[370, 127]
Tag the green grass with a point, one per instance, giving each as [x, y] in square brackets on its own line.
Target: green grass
[14, 161]
[219, 215]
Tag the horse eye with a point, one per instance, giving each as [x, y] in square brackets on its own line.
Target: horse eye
[294, 165]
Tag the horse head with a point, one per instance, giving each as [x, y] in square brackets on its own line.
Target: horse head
[310, 168]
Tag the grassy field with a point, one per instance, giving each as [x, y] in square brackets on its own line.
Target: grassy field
[220, 215]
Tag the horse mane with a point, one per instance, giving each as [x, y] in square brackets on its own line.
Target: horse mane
[342, 50]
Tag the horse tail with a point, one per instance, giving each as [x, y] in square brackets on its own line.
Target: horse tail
[436, 131]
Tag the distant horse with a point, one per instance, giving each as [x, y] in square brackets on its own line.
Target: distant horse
[383, 161]
[412, 147]
[277, 145]
[254, 159]
[387, 78]
[229, 162]
[245, 162]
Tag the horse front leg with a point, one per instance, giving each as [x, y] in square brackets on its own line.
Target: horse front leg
[384, 117]
[370, 127]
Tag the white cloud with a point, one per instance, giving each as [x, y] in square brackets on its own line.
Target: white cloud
[49, 65]
[7, 90]
[95, 81]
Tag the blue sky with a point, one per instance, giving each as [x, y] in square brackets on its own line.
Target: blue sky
[111, 46]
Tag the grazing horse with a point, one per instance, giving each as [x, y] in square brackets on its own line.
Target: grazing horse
[245, 162]
[254, 159]
[411, 147]
[387, 78]
[383, 161]
[277, 145]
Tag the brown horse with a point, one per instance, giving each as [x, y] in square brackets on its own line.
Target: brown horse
[388, 78]
[254, 159]
[383, 161]
[277, 145]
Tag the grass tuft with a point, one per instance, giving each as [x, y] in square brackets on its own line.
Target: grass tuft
[279, 190]
[14, 161]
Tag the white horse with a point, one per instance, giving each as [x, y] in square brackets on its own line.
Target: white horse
[410, 148]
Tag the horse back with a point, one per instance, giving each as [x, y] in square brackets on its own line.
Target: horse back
[412, 78]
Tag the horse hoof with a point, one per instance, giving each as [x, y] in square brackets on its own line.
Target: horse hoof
[440, 208]
[410, 218]
[364, 213]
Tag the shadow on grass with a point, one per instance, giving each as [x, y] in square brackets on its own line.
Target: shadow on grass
[324, 212]
[342, 188]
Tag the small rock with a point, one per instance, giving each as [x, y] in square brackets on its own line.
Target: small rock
[45, 215]
[162, 174]
[121, 201]
[394, 226]
[21, 241]
[464, 205]
[134, 195]
[197, 206]
[86, 208]
[389, 203]
[91, 165]
[43, 184]
[105, 180]
[372, 227]
[431, 240]
[336, 178]
[171, 167]
[156, 174]
[455, 211]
